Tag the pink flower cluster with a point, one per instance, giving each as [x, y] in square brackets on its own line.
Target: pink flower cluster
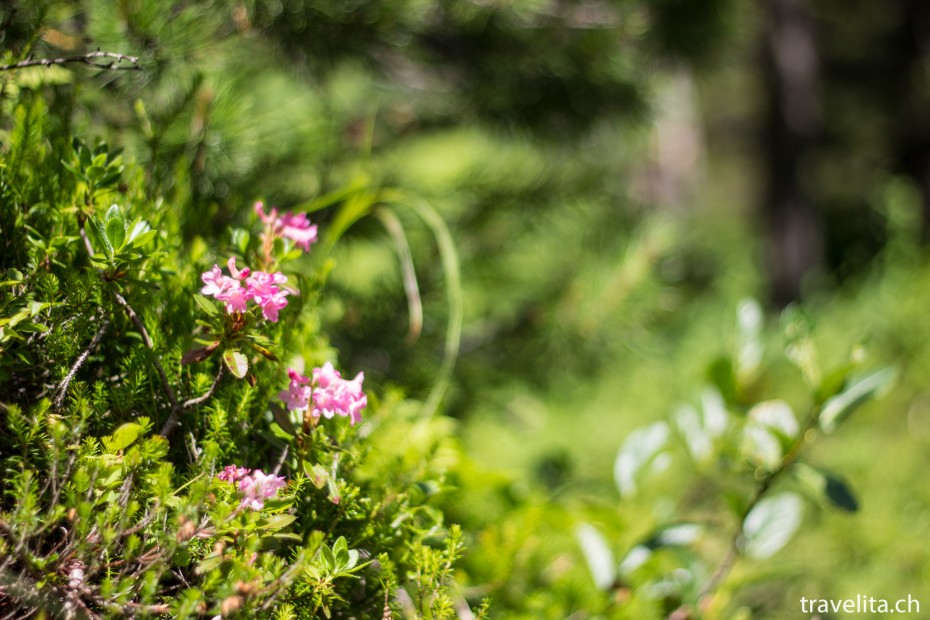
[260, 287]
[328, 392]
[255, 487]
[293, 226]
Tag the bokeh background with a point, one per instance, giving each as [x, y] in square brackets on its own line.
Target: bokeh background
[618, 176]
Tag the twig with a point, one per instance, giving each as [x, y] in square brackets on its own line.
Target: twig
[173, 420]
[281, 460]
[733, 552]
[63, 388]
[148, 345]
[196, 401]
[87, 59]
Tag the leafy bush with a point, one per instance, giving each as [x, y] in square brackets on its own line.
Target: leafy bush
[146, 396]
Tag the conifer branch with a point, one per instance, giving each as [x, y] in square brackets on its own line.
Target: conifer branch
[90, 59]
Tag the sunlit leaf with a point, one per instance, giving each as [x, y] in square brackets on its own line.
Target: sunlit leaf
[771, 524]
[115, 227]
[598, 555]
[856, 393]
[123, 437]
[206, 305]
[639, 449]
[237, 363]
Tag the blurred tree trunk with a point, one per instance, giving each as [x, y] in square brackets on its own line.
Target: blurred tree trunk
[914, 154]
[795, 239]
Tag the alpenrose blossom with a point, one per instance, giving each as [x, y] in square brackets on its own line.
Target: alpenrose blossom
[293, 226]
[258, 287]
[255, 487]
[233, 473]
[258, 487]
[297, 394]
[328, 392]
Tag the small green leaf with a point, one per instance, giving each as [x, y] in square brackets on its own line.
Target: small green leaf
[99, 234]
[827, 485]
[237, 363]
[722, 376]
[123, 437]
[265, 352]
[276, 522]
[598, 555]
[206, 305]
[95, 173]
[327, 559]
[136, 230]
[283, 419]
[114, 213]
[208, 564]
[279, 432]
[341, 552]
[770, 525]
[840, 495]
[678, 535]
[856, 392]
[240, 239]
[639, 449]
[115, 227]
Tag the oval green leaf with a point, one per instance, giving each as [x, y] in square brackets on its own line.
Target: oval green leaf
[770, 525]
[237, 363]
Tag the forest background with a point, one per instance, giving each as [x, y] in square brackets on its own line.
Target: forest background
[656, 210]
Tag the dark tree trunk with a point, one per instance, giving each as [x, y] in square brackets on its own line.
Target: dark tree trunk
[914, 100]
[795, 240]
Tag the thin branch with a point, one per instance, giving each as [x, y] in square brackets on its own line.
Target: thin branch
[63, 388]
[281, 460]
[148, 345]
[196, 401]
[90, 59]
[733, 552]
[173, 420]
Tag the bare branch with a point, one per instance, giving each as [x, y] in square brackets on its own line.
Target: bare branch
[148, 345]
[173, 420]
[91, 59]
[63, 388]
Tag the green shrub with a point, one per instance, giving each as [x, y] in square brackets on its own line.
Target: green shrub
[141, 410]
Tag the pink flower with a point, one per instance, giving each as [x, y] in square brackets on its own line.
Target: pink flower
[260, 287]
[266, 219]
[330, 393]
[215, 282]
[297, 394]
[232, 473]
[235, 299]
[237, 273]
[335, 395]
[258, 487]
[264, 290]
[293, 226]
[297, 228]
